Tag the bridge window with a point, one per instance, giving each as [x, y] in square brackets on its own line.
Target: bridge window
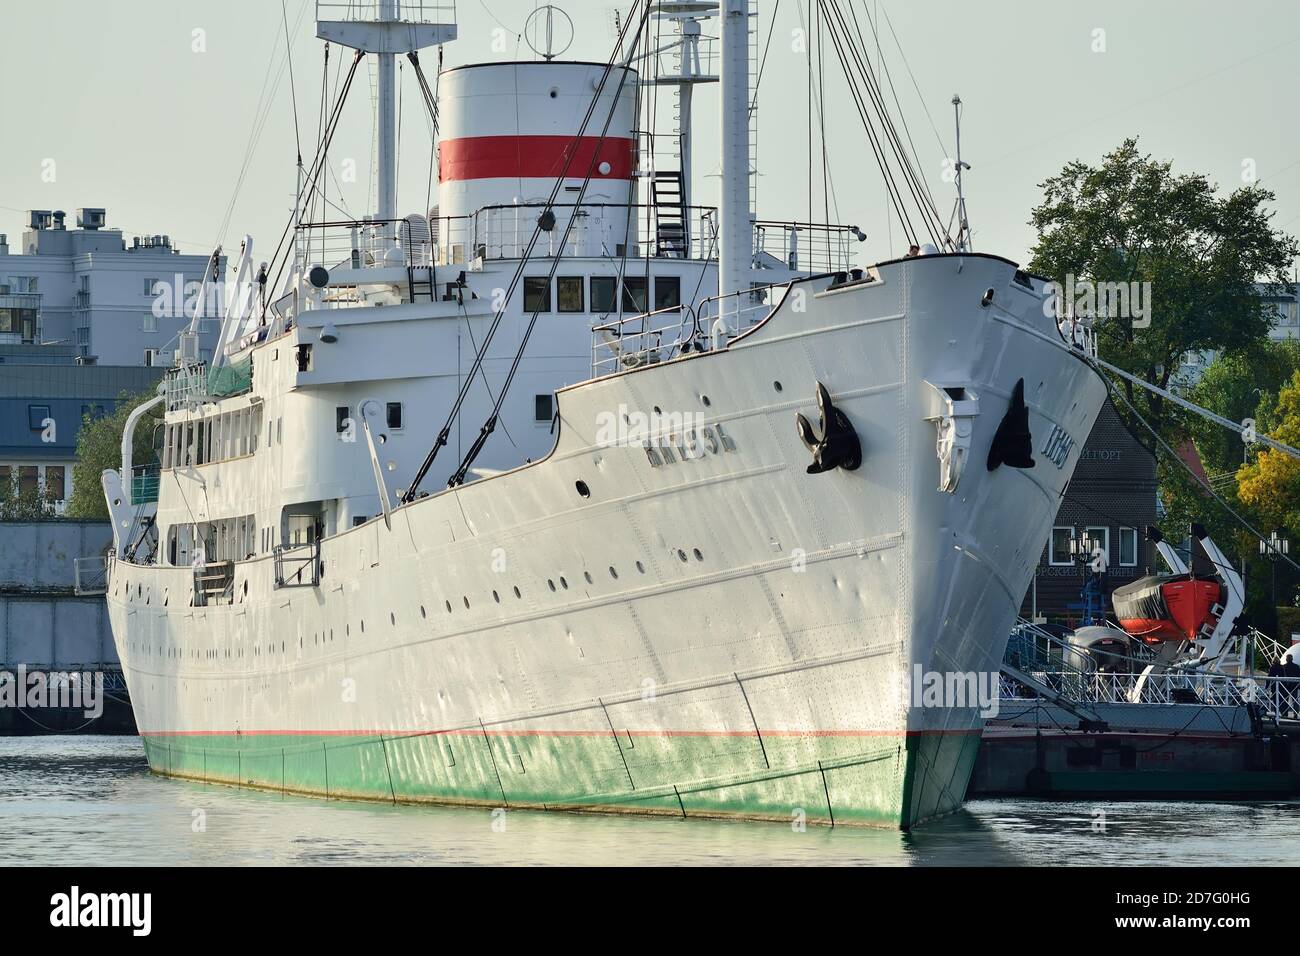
[568, 294]
[543, 408]
[634, 294]
[602, 294]
[668, 292]
[537, 294]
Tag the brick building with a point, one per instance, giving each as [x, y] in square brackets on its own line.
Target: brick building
[1112, 497]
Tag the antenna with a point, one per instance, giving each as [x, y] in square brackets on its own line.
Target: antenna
[541, 27]
[963, 243]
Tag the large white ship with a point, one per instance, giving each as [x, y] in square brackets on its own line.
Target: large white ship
[697, 506]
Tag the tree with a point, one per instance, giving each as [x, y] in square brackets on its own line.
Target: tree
[19, 505]
[99, 447]
[1237, 386]
[1132, 220]
[1271, 483]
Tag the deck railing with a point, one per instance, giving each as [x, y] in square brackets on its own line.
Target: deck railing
[298, 566]
[1274, 696]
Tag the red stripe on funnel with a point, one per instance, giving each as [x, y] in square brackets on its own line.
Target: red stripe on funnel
[533, 157]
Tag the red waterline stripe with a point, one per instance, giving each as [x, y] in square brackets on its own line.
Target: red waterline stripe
[478, 732]
[533, 157]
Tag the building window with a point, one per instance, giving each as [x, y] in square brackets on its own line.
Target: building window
[568, 294]
[150, 358]
[1098, 534]
[149, 323]
[537, 294]
[668, 292]
[1128, 547]
[149, 286]
[634, 289]
[28, 481]
[1058, 549]
[394, 416]
[602, 294]
[36, 416]
[543, 408]
[92, 412]
[54, 487]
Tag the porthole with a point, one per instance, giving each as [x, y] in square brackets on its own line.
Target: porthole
[363, 625]
[448, 603]
[587, 575]
[422, 614]
[777, 386]
[658, 410]
[496, 597]
[517, 594]
[698, 556]
[392, 618]
[465, 598]
[550, 584]
[612, 573]
[705, 400]
[583, 490]
[245, 587]
[563, 583]
[640, 567]
[681, 555]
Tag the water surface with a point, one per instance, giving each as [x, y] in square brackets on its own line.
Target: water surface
[79, 801]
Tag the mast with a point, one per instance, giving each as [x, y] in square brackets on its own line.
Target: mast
[963, 224]
[386, 195]
[688, 15]
[736, 235]
[393, 31]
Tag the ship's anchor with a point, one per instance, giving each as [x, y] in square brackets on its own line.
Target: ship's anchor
[1012, 443]
[838, 446]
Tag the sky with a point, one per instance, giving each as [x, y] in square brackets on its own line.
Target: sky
[178, 115]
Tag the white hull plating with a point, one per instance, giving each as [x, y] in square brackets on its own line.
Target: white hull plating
[731, 593]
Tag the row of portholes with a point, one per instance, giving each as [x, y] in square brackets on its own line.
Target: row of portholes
[496, 597]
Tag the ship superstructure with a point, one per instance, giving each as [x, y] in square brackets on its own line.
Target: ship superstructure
[707, 505]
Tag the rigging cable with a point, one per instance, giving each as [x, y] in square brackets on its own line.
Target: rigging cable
[481, 355]
[882, 162]
[458, 477]
[929, 212]
[314, 173]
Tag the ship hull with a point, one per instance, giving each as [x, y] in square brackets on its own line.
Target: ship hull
[714, 632]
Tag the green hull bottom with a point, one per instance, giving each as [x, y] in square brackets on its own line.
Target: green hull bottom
[877, 780]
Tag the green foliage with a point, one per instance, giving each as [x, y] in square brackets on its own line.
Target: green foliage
[1239, 386]
[99, 447]
[1288, 623]
[19, 505]
[1132, 219]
